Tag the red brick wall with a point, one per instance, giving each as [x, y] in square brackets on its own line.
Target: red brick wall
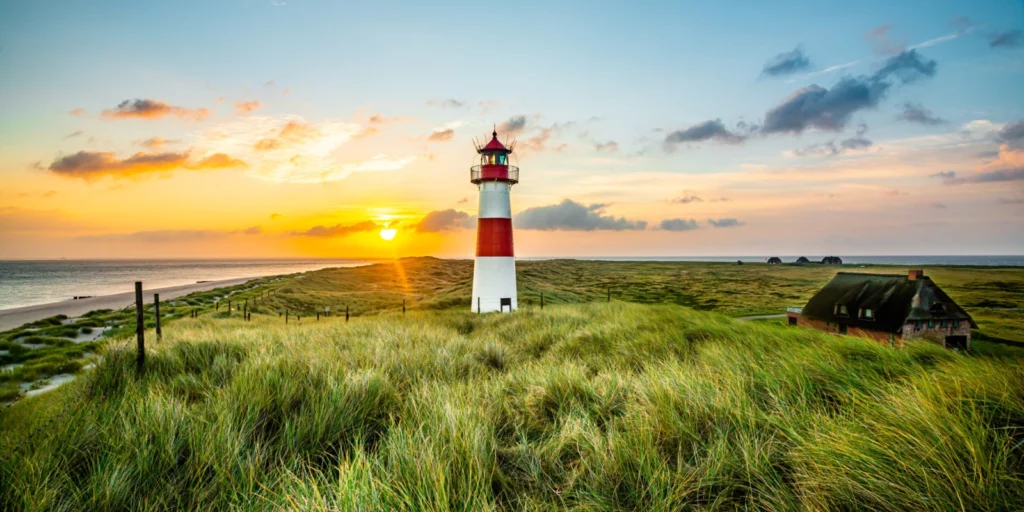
[936, 334]
[879, 336]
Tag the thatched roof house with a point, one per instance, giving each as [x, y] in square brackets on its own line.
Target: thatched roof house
[832, 260]
[774, 260]
[888, 308]
[802, 259]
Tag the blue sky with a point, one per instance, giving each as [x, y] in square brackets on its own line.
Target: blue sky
[589, 73]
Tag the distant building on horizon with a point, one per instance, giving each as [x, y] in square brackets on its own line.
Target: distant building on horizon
[774, 260]
[888, 308]
[831, 260]
[802, 259]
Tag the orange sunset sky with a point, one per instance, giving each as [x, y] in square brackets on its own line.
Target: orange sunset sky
[304, 129]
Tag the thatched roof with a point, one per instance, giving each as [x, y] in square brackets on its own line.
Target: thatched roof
[893, 299]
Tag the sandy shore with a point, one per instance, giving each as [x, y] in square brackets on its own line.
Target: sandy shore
[16, 317]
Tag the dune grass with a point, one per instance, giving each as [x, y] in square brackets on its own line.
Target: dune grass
[597, 407]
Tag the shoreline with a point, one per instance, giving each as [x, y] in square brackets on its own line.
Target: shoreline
[16, 317]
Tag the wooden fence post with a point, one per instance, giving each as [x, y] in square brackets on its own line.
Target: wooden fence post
[609, 294]
[156, 311]
[245, 311]
[478, 305]
[317, 316]
[346, 312]
[140, 325]
[403, 306]
[542, 300]
[286, 316]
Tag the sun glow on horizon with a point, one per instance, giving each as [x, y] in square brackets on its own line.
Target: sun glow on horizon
[388, 234]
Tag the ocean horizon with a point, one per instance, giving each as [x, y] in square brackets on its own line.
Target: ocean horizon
[34, 282]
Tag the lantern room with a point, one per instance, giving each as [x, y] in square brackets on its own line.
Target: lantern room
[494, 165]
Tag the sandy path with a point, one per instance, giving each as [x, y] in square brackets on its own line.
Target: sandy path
[16, 317]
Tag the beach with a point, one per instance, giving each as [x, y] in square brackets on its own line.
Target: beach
[15, 317]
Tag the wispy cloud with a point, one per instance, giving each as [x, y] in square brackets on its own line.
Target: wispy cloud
[291, 149]
[153, 109]
[338, 230]
[787, 63]
[93, 164]
[244, 107]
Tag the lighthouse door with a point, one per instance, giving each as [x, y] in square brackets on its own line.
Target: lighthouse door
[506, 302]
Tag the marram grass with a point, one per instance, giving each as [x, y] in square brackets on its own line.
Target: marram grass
[587, 407]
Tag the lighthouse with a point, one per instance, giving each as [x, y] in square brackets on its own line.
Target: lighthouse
[494, 272]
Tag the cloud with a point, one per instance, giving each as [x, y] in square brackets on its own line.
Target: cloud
[513, 126]
[445, 220]
[244, 107]
[447, 103]
[153, 109]
[1007, 39]
[678, 225]
[610, 146]
[572, 216]
[724, 223]
[156, 142]
[1012, 200]
[275, 216]
[78, 112]
[464, 200]
[1008, 166]
[916, 113]
[944, 174]
[290, 149]
[441, 135]
[254, 230]
[686, 199]
[937, 206]
[93, 164]
[379, 119]
[831, 148]
[1013, 132]
[831, 109]
[338, 230]
[787, 63]
[884, 45]
[73, 135]
[708, 130]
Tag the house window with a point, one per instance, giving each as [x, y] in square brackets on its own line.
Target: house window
[917, 324]
[956, 324]
[867, 313]
[931, 324]
[842, 328]
[842, 310]
[942, 323]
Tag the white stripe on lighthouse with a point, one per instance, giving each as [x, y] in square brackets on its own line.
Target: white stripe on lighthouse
[494, 200]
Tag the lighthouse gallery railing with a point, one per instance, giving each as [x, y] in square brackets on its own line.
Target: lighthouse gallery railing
[478, 174]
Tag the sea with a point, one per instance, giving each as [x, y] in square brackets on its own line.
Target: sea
[27, 283]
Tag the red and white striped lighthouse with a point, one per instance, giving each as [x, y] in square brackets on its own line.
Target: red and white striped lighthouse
[494, 273]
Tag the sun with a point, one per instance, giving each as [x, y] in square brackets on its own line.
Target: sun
[388, 233]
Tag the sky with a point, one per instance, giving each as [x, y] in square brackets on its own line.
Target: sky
[299, 128]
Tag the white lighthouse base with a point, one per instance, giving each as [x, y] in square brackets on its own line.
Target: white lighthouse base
[494, 278]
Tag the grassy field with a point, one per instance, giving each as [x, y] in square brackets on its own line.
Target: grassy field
[994, 296]
[638, 405]
[590, 406]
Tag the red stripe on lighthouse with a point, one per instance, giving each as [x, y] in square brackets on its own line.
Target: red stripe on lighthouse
[494, 237]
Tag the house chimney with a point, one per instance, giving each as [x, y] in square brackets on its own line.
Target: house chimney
[915, 274]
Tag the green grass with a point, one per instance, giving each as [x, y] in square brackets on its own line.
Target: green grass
[589, 406]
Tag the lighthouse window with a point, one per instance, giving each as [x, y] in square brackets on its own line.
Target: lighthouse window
[501, 159]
